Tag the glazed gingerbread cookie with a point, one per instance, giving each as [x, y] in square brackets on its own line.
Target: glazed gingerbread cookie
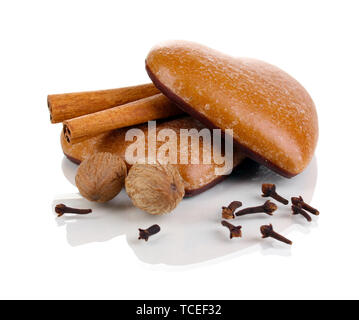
[273, 118]
[197, 177]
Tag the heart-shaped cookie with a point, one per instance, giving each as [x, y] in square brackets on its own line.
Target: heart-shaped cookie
[273, 118]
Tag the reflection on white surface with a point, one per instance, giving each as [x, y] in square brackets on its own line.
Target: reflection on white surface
[192, 233]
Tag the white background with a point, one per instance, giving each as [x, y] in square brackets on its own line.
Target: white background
[63, 46]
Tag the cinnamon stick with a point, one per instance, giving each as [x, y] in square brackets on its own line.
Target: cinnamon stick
[71, 105]
[136, 112]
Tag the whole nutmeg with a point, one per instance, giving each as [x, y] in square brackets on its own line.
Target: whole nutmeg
[155, 188]
[101, 176]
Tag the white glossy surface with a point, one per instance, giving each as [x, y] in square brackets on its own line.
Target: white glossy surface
[192, 233]
[103, 47]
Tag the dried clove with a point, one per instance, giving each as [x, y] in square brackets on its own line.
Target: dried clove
[235, 231]
[61, 209]
[228, 212]
[267, 231]
[268, 208]
[298, 210]
[269, 190]
[299, 201]
[146, 233]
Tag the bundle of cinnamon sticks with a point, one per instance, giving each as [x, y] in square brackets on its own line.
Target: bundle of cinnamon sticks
[87, 114]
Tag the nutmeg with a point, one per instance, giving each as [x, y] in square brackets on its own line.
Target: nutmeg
[101, 176]
[154, 188]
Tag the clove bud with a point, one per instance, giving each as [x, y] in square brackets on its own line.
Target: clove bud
[228, 212]
[269, 190]
[298, 201]
[298, 210]
[61, 209]
[268, 208]
[235, 231]
[146, 233]
[267, 231]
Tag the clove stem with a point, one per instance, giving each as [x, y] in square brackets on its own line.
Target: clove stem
[61, 209]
